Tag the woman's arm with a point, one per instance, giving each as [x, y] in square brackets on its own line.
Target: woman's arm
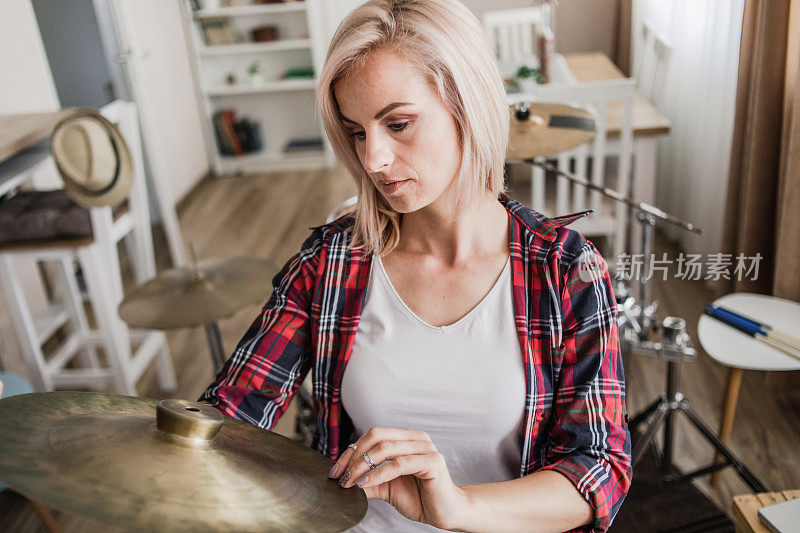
[415, 480]
[542, 501]
[269, 363]
[589, 442]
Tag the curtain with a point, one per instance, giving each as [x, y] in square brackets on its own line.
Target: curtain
[699, 98]
[763, 202]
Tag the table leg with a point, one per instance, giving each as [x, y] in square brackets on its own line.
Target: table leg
[728, 411]
[643, 183]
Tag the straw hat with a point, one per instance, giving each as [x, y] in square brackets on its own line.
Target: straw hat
[92, 158]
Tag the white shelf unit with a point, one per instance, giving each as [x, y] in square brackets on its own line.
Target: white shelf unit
[284, 108]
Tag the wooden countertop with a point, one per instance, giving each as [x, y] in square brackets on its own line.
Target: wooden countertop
[594, 66]
[18, 132]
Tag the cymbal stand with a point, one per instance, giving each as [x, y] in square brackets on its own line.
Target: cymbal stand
[636, 324]
[213, 335]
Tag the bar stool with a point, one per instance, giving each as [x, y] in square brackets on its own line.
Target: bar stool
[97, 255]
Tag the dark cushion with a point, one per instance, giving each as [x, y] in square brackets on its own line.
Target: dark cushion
[42, 216]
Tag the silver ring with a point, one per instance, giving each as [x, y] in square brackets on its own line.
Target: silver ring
[353, 446]
[369, 461]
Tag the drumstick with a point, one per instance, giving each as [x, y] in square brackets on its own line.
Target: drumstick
[765, 329]
[753, 332]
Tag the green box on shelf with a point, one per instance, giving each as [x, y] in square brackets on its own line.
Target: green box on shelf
[299, 73]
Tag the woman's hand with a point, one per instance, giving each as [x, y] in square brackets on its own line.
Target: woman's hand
[415, 480]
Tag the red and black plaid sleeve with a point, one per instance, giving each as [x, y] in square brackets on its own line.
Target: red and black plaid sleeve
[589, 441]
[269, 363]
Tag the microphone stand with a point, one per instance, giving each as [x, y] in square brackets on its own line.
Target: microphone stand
[636, 324]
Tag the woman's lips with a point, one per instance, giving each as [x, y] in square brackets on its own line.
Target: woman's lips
[390, 187]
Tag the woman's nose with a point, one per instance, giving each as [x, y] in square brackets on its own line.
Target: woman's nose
[378, 154]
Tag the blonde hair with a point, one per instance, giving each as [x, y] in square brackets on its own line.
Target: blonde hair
[447, 41]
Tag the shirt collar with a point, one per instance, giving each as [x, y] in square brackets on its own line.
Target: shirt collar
[536, 222]
[533, 221]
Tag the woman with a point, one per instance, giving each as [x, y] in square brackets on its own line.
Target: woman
[461, 343]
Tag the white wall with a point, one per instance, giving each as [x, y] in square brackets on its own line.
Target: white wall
[582, 26]
[579, 25]
[26, 85]
[156, 31]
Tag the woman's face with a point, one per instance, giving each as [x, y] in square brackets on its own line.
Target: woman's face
[406, 139]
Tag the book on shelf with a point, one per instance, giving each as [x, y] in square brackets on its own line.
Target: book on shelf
[217, 31]
[303, 145]
[236, 136]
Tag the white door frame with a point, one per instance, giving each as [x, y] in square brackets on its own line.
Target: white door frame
[123, 57]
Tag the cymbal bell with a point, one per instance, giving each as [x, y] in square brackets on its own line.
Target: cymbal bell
[183, 297]
[549, 130]
[172, 465]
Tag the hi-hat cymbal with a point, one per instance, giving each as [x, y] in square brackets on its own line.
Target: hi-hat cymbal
[549, 130]
[179, 297]
[172, 465]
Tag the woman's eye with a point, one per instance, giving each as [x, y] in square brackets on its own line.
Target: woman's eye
[398, 126]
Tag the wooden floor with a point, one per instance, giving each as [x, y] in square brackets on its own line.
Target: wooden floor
[269, 216]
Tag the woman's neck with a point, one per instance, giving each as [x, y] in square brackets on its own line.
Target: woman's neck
[456, 236]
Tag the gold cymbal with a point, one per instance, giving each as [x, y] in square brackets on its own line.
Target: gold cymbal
[549, 130]
[172, 465]
[179, 298]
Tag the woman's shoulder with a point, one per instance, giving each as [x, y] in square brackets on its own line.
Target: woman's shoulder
[553, 231]
[338, 231]
[340, 225]
[566, 247]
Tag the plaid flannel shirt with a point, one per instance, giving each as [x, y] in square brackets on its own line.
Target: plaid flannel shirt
[574, 419]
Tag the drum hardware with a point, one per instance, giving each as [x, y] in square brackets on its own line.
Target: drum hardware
[637, 326]
[200, 294]
[172, 465]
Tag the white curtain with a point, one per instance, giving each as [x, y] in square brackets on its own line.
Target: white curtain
[699, 99]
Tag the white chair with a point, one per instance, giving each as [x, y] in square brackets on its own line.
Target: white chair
[99, 262]
[560, 196]
[512, 36]
[652, 63]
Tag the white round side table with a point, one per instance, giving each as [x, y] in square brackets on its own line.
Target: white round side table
[741, 352]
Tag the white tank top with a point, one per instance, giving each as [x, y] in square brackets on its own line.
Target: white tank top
[463, 384]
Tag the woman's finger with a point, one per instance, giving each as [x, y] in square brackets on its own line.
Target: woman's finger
[340, 465]
[423, 466]
[383, 451]
[368, 440]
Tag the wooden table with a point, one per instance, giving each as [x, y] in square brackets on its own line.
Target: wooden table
[648, 123]
[18, 132]
[746, 506]
[740, 352]
[23, 145]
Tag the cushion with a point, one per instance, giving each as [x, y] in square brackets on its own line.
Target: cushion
[42, 216]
